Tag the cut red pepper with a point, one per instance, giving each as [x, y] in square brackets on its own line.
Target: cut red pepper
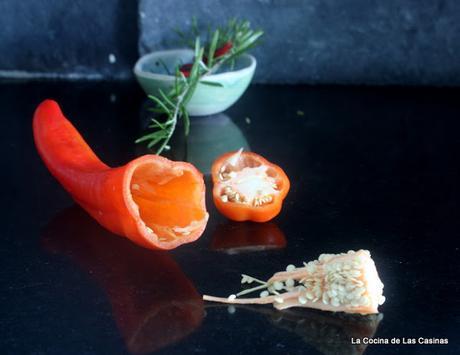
[185, 69]
[155, 202]
[219, 52]
[248, 187]
[223, 50]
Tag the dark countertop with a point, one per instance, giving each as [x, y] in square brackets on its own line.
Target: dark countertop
[371, 168]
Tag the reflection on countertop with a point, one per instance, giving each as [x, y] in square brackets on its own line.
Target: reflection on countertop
[328, 332]
[208, 138]
[154, 304]
[242, 237]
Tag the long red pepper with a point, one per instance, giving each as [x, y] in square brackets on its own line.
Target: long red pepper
[155, 202]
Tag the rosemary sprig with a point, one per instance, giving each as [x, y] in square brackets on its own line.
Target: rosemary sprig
[224, 46]
[172, 105]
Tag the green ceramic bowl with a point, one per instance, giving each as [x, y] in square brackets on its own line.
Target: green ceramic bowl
[151, 71]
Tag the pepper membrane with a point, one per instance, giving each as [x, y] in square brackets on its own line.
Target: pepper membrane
[153, 201]
[248, 187]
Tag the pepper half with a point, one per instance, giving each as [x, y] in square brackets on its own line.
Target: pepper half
[247, 187]
[155, 202]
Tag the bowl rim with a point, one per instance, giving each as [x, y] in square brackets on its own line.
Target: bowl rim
[165, 77]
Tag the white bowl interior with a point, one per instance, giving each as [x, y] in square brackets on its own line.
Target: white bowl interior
[164, 63]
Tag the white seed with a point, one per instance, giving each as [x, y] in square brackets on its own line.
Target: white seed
[311, 267]
[149, 229]
[278, 285]
[231, 297]
[382, 300]
[309, 295]
[112, 58]
[264, 294]
[290, 283]
[335, 302]
[290, 268]
[224, 198]
[302, 300]
[317, 291]
[228, 190]
[364, 301]
[355, 303]
[135, 187]
[325, 298]
[267, 199]
[359, 291]
[355, 273]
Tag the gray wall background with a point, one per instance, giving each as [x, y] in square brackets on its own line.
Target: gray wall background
[69, 39]
[415, 42]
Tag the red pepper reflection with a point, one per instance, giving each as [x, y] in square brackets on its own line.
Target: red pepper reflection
[153, 302]
[240, 237]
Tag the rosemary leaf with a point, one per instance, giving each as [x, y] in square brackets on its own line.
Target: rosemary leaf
[212, 47]
[211, 83]
[160, 103]
[166, 99]
[186, 119]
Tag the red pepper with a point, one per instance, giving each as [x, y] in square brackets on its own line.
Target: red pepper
[248, 187]
[155, 202]
[153, 303]
[223, 50]
[185, 69]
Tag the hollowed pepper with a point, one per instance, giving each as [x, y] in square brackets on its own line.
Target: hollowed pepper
[155, 202]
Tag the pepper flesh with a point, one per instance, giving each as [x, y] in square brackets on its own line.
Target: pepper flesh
[155, 202]
[223, 50]
[261, 185]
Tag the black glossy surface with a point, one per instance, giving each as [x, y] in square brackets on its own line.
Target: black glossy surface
[370, 168]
